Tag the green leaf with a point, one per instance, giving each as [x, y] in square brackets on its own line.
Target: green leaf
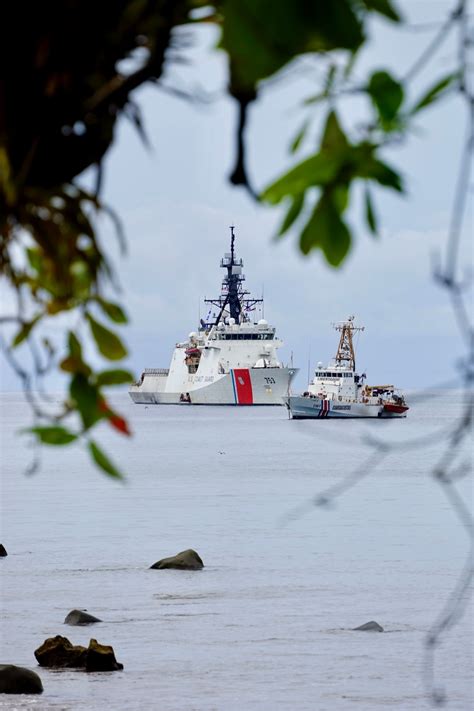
[53, 435]
[436, 92]
[34, 258]
[113, 311]
[108, 343]
[383, 7]
[334, 138]
[86, 397]
[114, 377]
[386, 94]
[327, 231]
[377, 170]
[320, 169]
[370, 214]
[25, 331]
[292, 214]
[295, 144]
[75, 348]
[102, 461]
[340, 197]
[261, 37]
[71, 364]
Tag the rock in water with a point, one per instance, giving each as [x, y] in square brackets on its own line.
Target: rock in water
[186, 560]
[101, 657]
[79, 617]
[369, 627]
[3, 552]
[59, 652]
[18, 680]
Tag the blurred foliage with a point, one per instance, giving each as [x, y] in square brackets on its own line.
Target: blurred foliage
[62, 90]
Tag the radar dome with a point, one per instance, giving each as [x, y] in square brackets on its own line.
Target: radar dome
[192, 335]
[263, 322]
[320, 365]
[232, 321]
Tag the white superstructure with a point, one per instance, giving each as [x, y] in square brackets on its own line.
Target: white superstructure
[230, 360]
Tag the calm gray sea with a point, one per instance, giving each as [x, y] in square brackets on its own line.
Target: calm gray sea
[266, 625]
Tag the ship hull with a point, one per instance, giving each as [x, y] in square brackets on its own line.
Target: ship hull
[311, 408]
[239, 387]
[394, 410]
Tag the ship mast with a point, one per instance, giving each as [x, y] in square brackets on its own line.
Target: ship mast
[345, 350]
[233, 281]
[234, 299]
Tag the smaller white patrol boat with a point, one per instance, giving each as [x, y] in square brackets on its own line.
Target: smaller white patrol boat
[339, 392]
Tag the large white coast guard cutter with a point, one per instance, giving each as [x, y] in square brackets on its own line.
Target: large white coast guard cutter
[230, 360]
[339, 392]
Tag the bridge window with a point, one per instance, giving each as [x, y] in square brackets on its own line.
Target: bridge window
[246, 336]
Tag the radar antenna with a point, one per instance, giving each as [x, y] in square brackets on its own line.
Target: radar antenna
[233, 301]
[345, 350]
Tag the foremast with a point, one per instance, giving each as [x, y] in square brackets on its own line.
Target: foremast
[233, 301]
[345, 355]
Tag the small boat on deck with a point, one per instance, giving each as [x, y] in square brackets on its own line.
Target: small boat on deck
[338, 391]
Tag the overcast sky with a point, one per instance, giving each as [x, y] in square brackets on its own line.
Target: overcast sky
[177, 205]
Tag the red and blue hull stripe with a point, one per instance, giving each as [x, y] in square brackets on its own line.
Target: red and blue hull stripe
[242, 386]
[325, 408]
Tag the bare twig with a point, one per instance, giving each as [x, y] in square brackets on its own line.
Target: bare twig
[435, 43]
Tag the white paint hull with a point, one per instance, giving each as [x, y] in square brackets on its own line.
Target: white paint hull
[313, 408]
[242, 386]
